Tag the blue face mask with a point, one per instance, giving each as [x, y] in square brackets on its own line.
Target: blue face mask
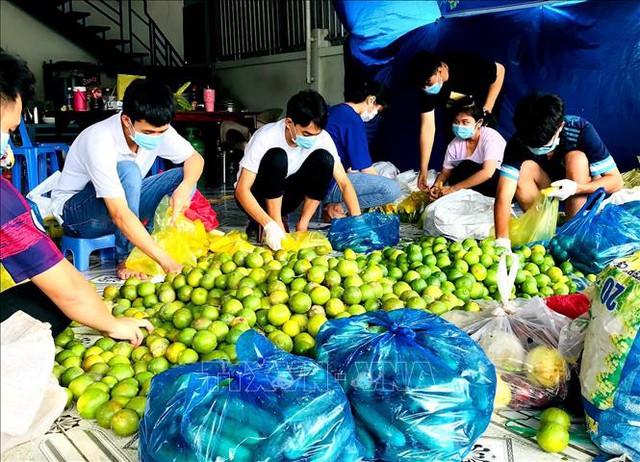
[544, 150]
[464, 132]
[433, 89]
[148, 142]
[305, 142]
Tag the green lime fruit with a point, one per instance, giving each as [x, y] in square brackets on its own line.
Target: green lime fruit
[125, 422]
[106, 412]
[553, 438]
[204, 342]
[80, 384]
[556, 416]
[89, 402]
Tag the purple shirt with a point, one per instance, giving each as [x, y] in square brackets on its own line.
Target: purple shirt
[25, 249]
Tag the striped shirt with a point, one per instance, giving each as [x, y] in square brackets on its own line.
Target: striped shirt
[577, 135]
[25, 248]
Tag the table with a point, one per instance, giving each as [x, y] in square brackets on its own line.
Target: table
[86, 118]
[248, 118]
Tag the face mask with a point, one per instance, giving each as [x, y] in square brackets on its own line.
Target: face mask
[433, 89]
[148, 142]
[305, 142]
[5, 161]
[463, 131]
[544, 150]
[368, 116]
[4, 142]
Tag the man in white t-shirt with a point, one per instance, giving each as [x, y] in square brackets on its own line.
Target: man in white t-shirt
[288, 163]
[102, 189]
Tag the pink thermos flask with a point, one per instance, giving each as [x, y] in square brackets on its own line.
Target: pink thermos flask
[209, 99]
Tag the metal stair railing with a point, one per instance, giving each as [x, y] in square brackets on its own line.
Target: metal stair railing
[155, 43]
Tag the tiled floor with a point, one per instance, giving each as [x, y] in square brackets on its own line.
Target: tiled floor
[75, 439]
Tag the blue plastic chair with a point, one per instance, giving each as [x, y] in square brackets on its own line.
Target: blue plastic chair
[35, 160]
[81, 249]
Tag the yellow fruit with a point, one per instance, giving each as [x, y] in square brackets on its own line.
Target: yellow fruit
[546, 366]
[503, 394]
[91, 360]
[291, 328]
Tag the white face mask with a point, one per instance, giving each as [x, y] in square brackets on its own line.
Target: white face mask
[367, 116]
[6, 161]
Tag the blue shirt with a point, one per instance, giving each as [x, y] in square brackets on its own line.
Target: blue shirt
[350, 136]
[577, 135]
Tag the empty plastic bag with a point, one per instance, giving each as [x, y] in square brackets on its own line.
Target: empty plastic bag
[304, 240]
[229, 243]
[420, 389]
[270, 407]
[364, 233]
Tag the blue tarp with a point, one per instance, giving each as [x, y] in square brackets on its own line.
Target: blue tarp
[588, 53]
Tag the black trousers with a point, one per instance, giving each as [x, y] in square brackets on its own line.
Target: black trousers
[29, 298]
[466, 168]
[312, 180]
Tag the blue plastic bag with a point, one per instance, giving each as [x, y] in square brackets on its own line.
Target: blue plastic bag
[610, 369]
[592, 239]
[420, 389]
[271, 407]
[366, 232]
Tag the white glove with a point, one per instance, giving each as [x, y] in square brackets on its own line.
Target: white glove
[273, 235]
[504, 243]
[564, 189]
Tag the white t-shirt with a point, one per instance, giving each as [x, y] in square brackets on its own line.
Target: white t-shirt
[490, 146]
[94, 156]
[273, 136]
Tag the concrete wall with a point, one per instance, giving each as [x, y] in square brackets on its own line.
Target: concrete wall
[168, 16]
[269, 81]
[34, 42]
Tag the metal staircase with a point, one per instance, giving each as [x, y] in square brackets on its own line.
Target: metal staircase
[117, 32]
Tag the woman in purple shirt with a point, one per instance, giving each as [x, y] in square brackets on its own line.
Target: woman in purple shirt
[474, 156]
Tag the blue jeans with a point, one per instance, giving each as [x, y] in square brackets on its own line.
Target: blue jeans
[372, 190]
[87, 216]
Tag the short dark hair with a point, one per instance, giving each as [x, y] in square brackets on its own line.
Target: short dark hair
[423, 65]
[369, 88]
[468, 106]
[15, 79]
[537, 118]
[149, 100]
[307, 106]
